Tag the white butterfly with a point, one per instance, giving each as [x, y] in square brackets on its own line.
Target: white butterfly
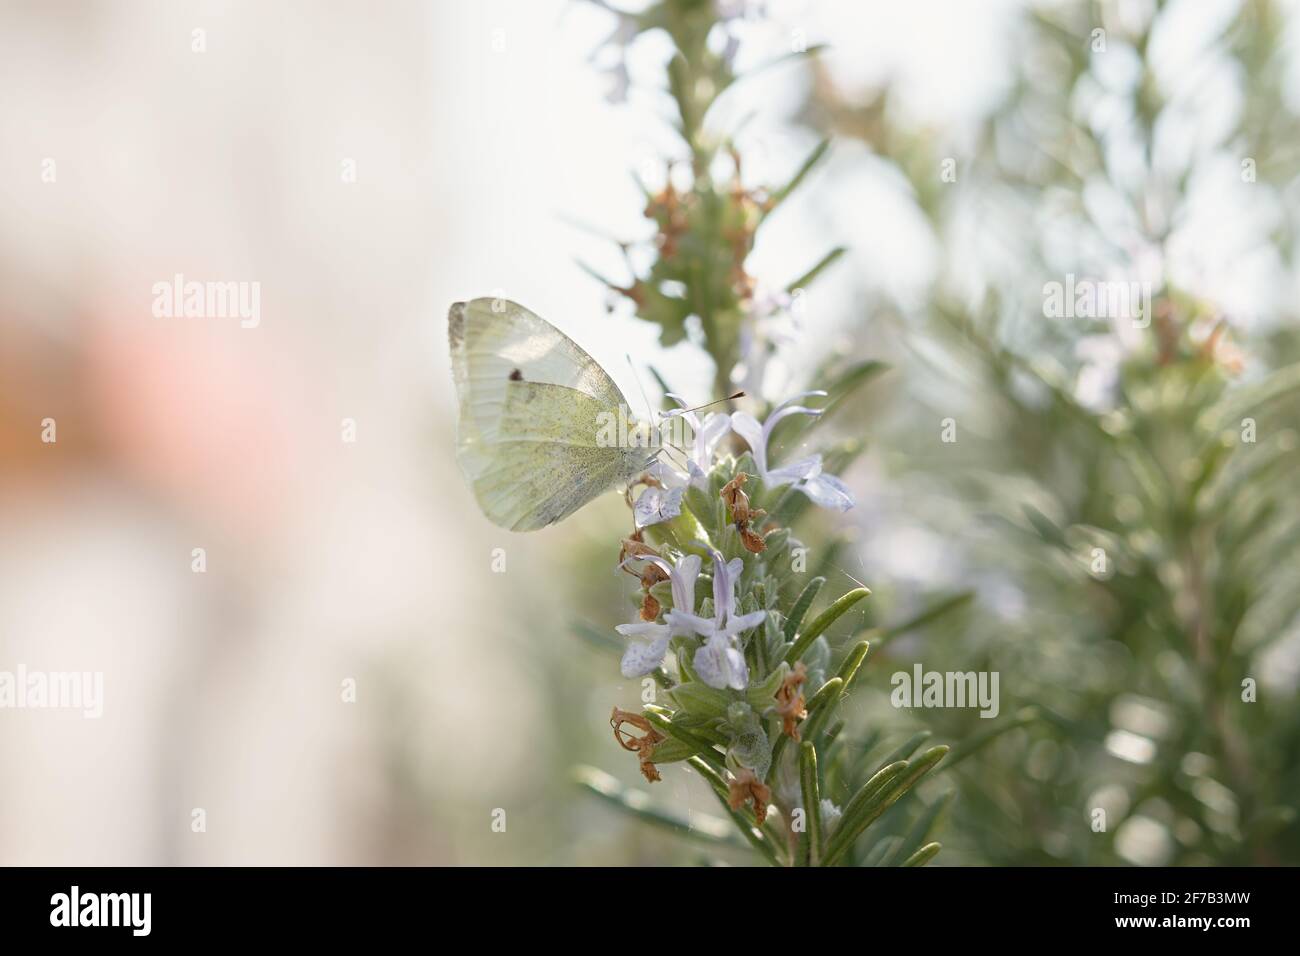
[543, 429]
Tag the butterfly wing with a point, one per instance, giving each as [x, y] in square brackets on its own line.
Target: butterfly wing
[532, 406]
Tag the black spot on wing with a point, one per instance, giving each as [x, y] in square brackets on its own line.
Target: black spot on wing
[516, 376]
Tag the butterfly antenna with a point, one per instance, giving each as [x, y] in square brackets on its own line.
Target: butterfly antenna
[665, 443]
[650, 413]
[719, 401]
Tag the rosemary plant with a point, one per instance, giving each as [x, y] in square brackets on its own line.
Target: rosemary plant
[746, 652]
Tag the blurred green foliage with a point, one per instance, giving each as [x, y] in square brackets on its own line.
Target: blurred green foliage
[1129, 524]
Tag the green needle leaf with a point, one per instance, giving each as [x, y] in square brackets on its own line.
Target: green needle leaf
[848, 671]
[908, 747]
[701, 700]
[810, 841]
[869, 809]
[821, 707]
[824, 263]
[801, 606]
[703, 749]
[823, 621]
[847, 830]
[924, 855]
[804, 169]
[920, 830]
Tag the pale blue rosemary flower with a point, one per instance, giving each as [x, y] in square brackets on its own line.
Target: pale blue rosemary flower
[706, 435]
[721, 661]
[655, 505]
[658, 504]
[804, 475]
[648, 641]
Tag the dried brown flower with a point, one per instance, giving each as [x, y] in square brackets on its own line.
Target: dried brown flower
[745, 786]
[734, 496]
[737, 502]
[752, 541]
[644, 746]
[789, 700]
[652, 575]
[634, 547]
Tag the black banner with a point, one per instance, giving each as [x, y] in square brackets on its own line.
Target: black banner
[94, 905]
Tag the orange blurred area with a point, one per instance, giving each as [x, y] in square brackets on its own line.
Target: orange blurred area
[255, 532]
